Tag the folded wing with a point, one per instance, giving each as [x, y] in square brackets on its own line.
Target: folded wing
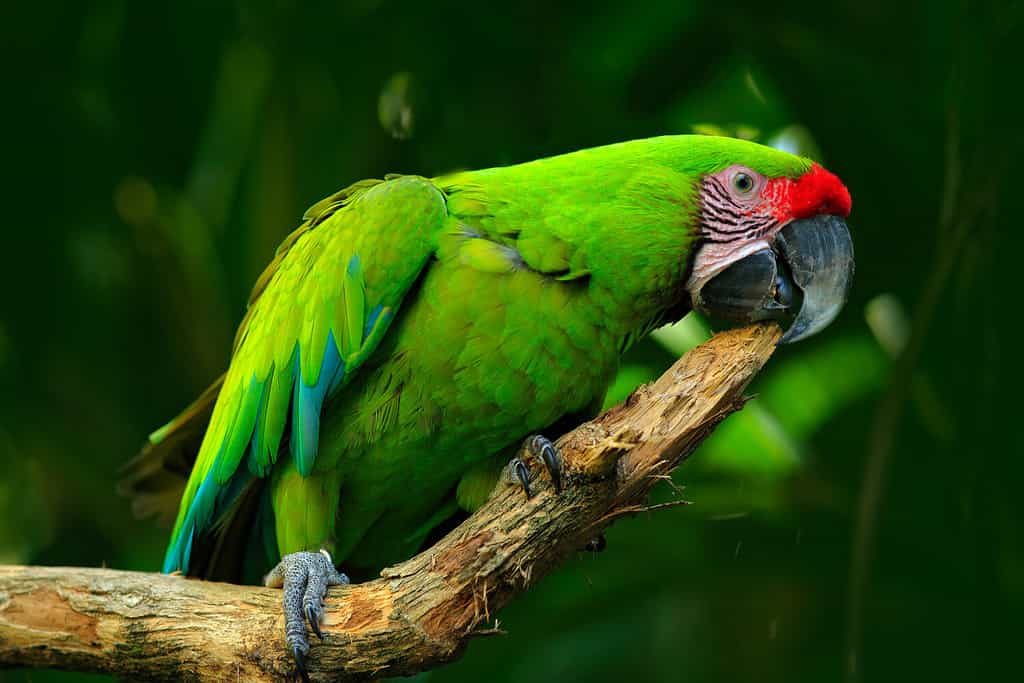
[316, 314]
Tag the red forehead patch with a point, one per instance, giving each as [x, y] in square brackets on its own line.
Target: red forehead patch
[815, 193]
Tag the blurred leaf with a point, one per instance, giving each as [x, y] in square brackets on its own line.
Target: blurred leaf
[804, 392]
[394, 106]
[739, 101]
[796, 139]
[238, 103]
[26, 519]
[888, 322]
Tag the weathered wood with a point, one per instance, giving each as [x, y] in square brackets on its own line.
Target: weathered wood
[420, 613]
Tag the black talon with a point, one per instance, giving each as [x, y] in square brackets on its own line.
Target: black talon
[314, 621]
[300, 663]
[540, 446]
[522, 474]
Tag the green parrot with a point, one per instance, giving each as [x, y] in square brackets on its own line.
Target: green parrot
[412, 332]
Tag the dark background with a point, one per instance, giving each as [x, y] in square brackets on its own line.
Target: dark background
[861, 519]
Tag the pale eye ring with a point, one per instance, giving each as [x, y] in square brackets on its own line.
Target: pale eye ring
[743, 183]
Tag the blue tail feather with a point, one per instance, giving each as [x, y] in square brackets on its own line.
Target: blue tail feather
[210, 500]
[199, 513]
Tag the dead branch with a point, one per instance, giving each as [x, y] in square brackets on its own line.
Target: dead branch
[419, 614]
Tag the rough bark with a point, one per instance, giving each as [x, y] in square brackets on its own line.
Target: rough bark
[419, 614]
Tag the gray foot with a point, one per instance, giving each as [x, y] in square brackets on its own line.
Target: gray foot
[540, 447]
[305, 577]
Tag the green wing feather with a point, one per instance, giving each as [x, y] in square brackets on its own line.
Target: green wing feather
[316, 314]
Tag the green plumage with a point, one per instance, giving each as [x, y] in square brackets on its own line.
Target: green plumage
[412, 331]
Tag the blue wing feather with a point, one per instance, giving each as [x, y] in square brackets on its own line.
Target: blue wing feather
[306, 404]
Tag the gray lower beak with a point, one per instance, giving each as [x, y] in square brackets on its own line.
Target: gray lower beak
[804, 278]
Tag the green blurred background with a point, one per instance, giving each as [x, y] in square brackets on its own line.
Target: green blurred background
[860, 520]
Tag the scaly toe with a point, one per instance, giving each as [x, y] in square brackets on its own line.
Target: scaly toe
[304, 576]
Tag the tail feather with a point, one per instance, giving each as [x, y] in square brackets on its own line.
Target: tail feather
[155, 480]
[235, 548]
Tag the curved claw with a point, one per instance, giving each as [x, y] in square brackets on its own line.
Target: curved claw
[542, 447]
[300, 663]
[314, 621]
[522, 474]
[537, 446]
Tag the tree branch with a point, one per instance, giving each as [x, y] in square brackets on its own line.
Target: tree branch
[419, 614]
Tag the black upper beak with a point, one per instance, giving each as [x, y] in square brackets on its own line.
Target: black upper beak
[804, 278]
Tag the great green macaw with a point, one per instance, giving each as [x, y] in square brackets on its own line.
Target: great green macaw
[412, 331]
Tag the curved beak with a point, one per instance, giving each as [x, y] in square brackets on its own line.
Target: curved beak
[819, 253]
[803, 279]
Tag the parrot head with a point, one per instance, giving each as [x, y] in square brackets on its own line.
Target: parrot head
[772, 247]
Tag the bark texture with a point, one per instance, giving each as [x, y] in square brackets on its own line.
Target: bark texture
[419, 614]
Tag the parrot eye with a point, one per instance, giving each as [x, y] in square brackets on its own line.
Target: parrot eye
[742, 183]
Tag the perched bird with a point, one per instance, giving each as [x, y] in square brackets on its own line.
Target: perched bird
[413, 331]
